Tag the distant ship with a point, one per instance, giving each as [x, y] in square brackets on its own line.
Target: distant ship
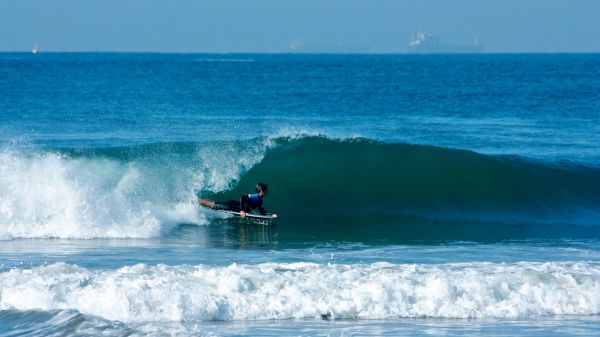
[34, 50]
[425, 43]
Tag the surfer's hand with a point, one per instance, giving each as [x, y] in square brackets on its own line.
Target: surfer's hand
[242, 214]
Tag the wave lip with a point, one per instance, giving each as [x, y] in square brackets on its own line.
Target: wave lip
[142, 293]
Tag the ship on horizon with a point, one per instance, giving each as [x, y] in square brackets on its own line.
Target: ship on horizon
[426, 43]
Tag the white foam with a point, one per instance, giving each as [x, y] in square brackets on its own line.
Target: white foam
[50, 195]
[142, 293]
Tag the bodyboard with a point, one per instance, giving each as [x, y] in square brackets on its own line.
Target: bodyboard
[266, 219]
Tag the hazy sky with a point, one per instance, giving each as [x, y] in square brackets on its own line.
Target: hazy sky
[378, 26]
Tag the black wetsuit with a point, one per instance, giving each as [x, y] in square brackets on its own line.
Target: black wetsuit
[247, 203]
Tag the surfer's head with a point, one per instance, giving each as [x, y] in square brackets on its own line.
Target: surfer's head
[262, 188]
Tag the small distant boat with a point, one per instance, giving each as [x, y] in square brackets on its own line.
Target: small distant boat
[34, 50]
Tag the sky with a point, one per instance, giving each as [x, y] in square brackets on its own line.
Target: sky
[276, 26]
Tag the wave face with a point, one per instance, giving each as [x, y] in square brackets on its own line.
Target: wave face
[142, 293]
[352, 189]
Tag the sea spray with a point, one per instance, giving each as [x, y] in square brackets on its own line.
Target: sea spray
[54, 195]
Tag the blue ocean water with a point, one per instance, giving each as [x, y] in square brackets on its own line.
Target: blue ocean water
[417, 194]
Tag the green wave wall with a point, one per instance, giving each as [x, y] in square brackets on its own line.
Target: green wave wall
[362, 188]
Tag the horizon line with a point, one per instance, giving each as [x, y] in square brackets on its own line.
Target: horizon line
[284, 52]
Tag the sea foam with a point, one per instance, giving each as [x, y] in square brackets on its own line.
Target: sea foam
[140, 293]
[51, 195]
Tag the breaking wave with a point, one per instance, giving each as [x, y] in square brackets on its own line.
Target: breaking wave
[141, 293]
[347, 189]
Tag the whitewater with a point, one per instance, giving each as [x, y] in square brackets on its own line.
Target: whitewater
[450, 194]
[305, 290]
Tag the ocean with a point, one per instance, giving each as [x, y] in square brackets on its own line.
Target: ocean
[417, 195]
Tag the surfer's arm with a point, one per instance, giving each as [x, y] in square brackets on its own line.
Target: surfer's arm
[206, 202]
[245, 205]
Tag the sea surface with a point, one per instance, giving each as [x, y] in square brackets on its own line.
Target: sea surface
[417, 195]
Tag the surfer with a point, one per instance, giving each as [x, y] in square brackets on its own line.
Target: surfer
[246, 204]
